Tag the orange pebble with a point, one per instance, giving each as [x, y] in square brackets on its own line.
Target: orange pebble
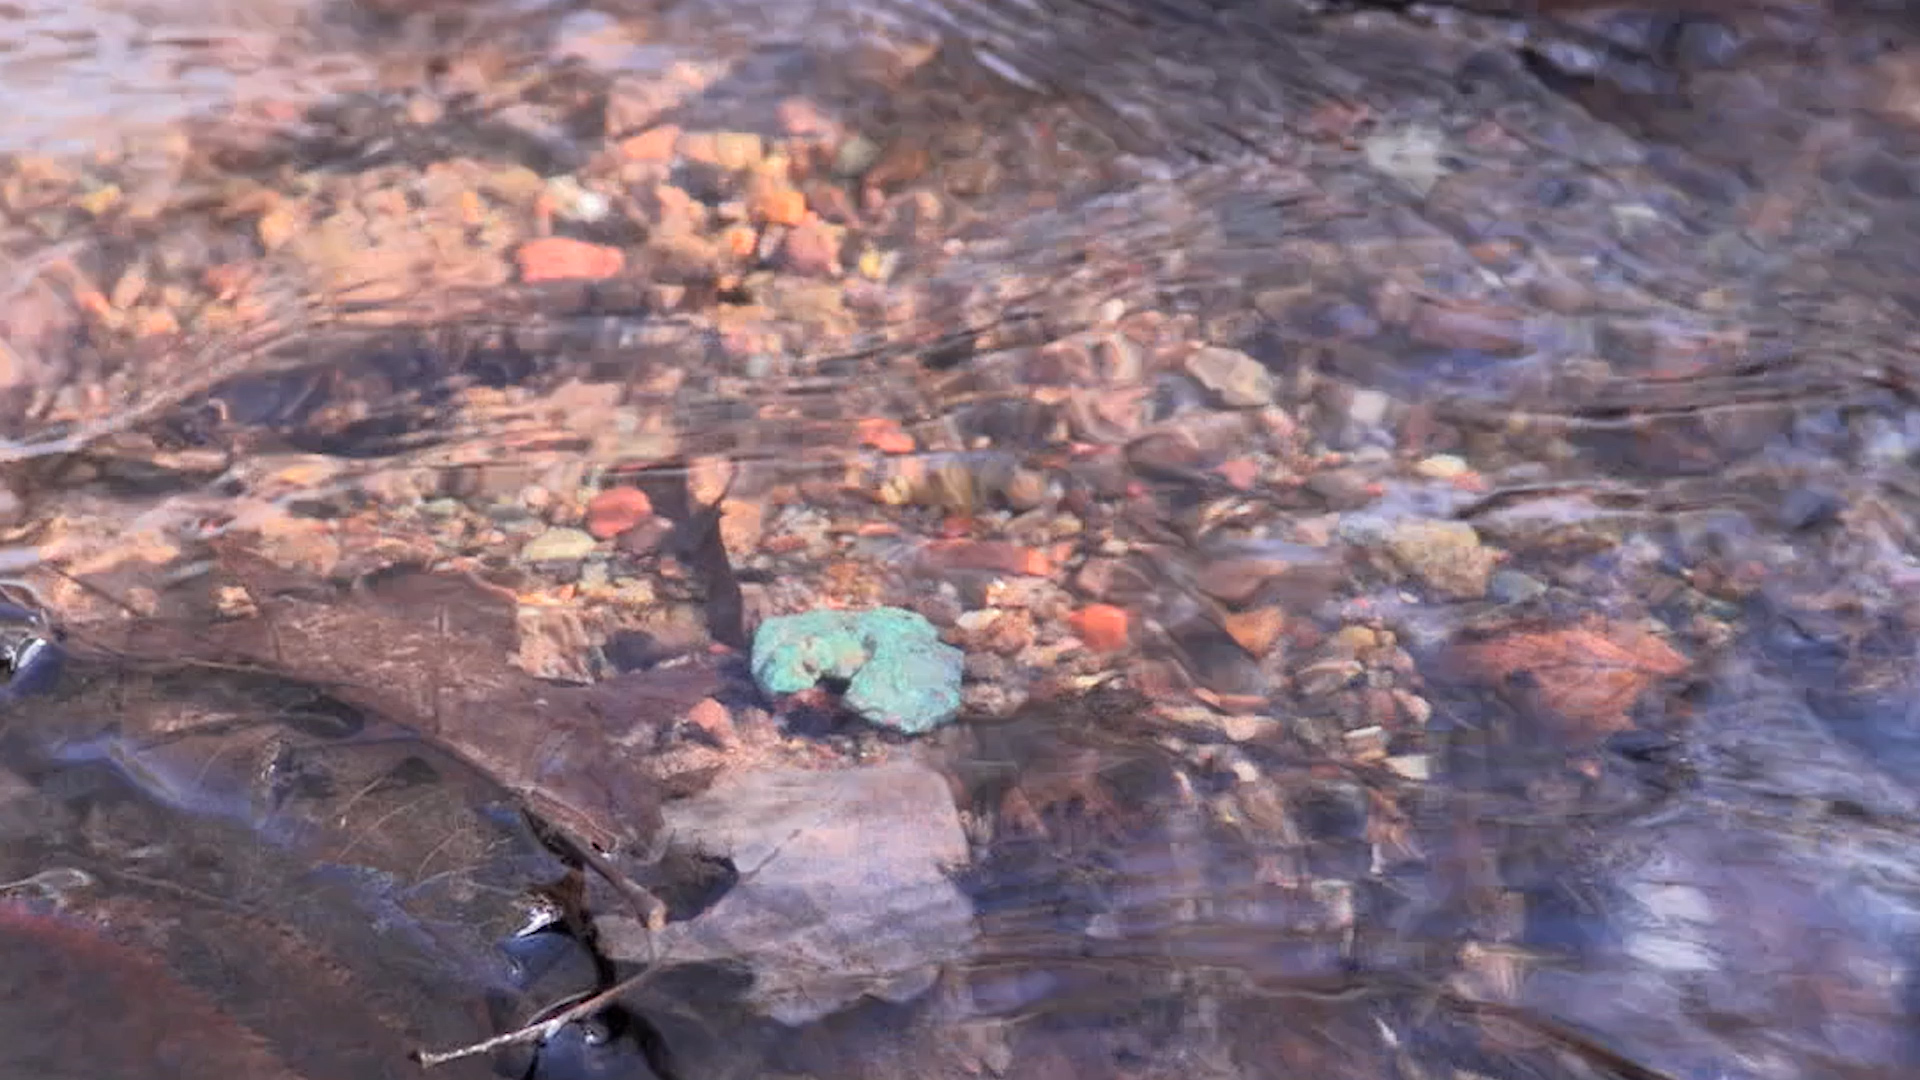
[885, 436]
[1102, 626]
[654, 144]
[742, 241]
[557, 258]
[713, 718]
[615, 510]
[95, 303]
[780, 206]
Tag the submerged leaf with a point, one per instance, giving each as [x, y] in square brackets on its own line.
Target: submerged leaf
[1588, 676]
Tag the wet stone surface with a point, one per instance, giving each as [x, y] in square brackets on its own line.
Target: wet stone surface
[1417, 498]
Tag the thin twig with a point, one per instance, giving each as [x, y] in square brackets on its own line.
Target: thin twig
[540, 1030]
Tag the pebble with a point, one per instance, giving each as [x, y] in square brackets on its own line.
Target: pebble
[777, 205]
[1411, 766]
[851, 892]
[741, 523]
[993, 555]
[855, 157]
[1343, 489]
[1411, 155]
[1442, 467]
[812, 249]
[1238, 380]
[1353, 640]
[1256, 630]
[616, 510]
[737, 150]
[1368, 408]
[595, 575]
[557, 258]
[1514, 587]
[1446, 556]
[1026, 489]
[654, 144]
[711, 717]
[574, 202]
[1103, 627]
[559, 545]
[1237, 578]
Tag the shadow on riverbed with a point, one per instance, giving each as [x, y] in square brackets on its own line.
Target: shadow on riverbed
[1425, 495]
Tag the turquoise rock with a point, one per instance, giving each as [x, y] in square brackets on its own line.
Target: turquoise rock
[899, 673]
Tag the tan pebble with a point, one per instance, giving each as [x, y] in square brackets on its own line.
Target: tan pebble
[1238, 380]
[518, 186]
[1244, 727]
[1442, 467]
[813, 249]
[654, 144]
[276, 227]
[234, 602]
[698, 146]
[1257, 630]
[1367, 744]
[126, 292]
[855, 156]
[1446, 556]
[741, 523]
[100, 200]
[1026, 489]
[154, 322]
[737, 150]
[708, 477]
[141, 600]
[777, 205]
[1353, 641]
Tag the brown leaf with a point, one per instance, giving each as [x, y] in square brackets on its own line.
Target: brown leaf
[1588, 675]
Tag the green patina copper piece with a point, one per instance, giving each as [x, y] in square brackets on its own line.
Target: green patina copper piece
[899, 673]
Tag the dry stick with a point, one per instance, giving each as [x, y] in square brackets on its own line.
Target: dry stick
[539, 1031]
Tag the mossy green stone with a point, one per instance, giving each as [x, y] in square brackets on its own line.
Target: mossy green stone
[899, 673]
